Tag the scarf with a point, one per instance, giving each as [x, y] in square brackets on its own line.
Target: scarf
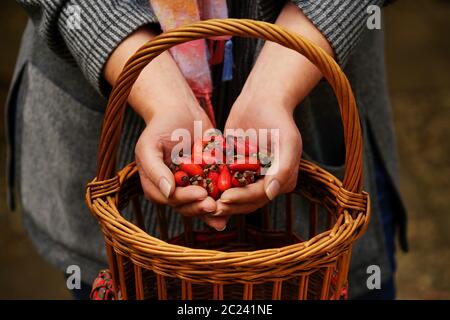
[195, 57]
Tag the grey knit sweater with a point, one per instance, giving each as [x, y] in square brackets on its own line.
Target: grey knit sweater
[58, 97]
[104, 24]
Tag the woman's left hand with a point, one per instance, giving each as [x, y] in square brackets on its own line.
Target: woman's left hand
[280, 79]
[286, 150]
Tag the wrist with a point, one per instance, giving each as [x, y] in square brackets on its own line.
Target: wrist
[251, 101]
[148, 108]
[160, 88]
[119, 57]
[281, 78]
[257, 95]
[124, 51]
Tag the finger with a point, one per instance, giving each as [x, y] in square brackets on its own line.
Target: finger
[180, 196]
[253, 192]
[225, 209]
[282, 174]
[206, 206]
[150, 159]
[151, 192]
[218, 223]
[186, 195]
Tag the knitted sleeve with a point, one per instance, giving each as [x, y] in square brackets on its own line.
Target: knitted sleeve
[86, 32]
[342, 22]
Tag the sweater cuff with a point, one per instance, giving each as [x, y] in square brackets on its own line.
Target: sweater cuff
[341, 22]
[102, 26]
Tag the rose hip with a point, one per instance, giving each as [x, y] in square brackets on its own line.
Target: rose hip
[213, 190]
[175, 165]
[211, 173]
[224, 182]
[210, 168]
[249, 176]
[192, 169]
[238, 180]
[249, 164]
[198, 181]
[213, 176]
[181, 179]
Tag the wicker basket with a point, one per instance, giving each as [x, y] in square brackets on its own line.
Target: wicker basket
[245, 262]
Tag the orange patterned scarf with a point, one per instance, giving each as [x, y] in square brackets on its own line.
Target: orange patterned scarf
[194, 58]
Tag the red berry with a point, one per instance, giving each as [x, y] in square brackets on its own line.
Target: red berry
[235, 183]
[224, 182]
[250, 176]
[249, 164]
[239, 180]
[213, 176]
[192, 169]
[181, 179]
[213, 190]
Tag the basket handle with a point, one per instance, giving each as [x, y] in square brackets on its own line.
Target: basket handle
[112, 123]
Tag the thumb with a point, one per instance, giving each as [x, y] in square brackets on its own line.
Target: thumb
[150, 160]
[281, 177]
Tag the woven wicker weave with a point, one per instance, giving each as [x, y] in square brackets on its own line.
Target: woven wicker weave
[246, 262]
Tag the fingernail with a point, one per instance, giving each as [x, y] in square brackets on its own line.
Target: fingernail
[272, 189]
[220, 230]
[165, 187]
[218, 213]
[225, 200]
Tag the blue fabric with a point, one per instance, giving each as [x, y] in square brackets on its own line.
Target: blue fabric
[227, 73]
[386, 205]
[387, 292]
[82, 293]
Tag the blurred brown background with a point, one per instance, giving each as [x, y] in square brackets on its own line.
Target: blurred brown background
[418, 52]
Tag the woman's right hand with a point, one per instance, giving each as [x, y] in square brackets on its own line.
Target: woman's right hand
[163, 98]
[153, 155]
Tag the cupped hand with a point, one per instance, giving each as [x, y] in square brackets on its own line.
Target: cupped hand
[153, 157]
[286, 151]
